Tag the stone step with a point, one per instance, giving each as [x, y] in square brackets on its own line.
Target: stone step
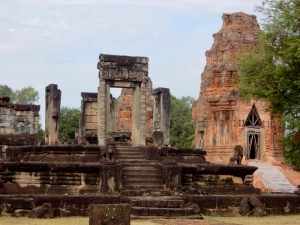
[168, 212]
[144, 186]
[142, 181]
[128, 150]
[123, 144]
[272, 178]
[140, 170]
[141, 176]
[143, 164]
[133, 157]
[157, 202]
[138, 193]
[132, 161]
[130, 154]
[192, 217]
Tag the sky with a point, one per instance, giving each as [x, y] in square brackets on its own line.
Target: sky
[46, 42]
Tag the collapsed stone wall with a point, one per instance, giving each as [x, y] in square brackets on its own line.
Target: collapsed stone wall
[18, 119]
[220, 112]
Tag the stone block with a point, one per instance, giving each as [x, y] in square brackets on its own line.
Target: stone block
[2, 129]
[174, 203]
[91, 126]
[91, 119]
[18, 203]
[106, 200]
[111, 214]
[139, 211]
[94, 105]
[223, 202]
[13, 188]
[155, 212]
[174, 212]
[19, 113]
[142, 203]
[92, 112]
[237, 180]
[155, 204]
[204, 201]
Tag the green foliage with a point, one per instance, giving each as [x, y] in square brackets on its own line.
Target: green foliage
[26, 95]
[182, 124]
[69, 122]
[270, 71]
[7, 91]
[41, 132]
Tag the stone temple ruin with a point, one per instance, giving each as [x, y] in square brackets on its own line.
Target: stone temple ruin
[223, 119]
[123, 155]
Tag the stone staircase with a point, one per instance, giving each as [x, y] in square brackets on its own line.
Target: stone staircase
[129, 154]
[161, 206]
[138, 173]
[141, 176]
[272, 178]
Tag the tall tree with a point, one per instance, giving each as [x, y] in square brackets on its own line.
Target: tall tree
[27, 95]
[69, 122]
[7, 91]
[270, 70]
[181, 122]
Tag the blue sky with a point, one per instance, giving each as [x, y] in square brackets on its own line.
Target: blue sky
[59, 41]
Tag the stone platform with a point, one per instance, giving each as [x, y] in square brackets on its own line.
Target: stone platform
[161, 182]
[147, 206]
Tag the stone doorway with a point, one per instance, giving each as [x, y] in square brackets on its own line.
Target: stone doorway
[253, 125]
[253, 145]
[123, 72]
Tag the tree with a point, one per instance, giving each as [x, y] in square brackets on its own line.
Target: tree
[7, 91]
[69, 122]
[182, 125]
[270, 70]
[26, 95]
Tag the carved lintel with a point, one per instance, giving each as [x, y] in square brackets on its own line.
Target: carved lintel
[125, 68]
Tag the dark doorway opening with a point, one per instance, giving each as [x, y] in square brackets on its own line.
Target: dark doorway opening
[253, 146]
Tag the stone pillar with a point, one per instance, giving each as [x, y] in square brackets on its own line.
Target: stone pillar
[102, 112]
[107, 105]
[136, 101]
[161, 115]
[82, 121]
[88, 116]
[53, 98]
[143, 115]
[112, 113]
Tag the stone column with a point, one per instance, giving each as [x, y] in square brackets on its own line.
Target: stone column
[102, 112]
[136, 116]
[53, 99]
[107, 105]
[112, 112]
[82, 120]
[143, 115]
[161, 116]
